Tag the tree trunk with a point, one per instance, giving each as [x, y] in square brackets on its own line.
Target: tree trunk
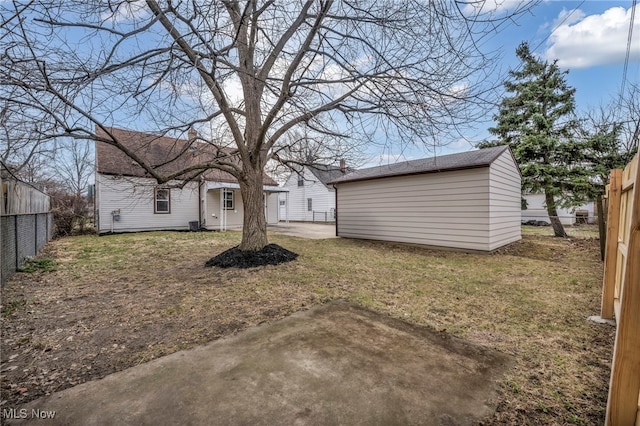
[552, 211]
[254, 231]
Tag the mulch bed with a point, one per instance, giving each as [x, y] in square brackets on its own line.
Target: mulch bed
[272, 254]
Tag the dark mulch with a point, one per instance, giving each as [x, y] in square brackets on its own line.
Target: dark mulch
[271, 254]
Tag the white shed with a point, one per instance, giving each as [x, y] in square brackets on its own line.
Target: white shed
[468, 201]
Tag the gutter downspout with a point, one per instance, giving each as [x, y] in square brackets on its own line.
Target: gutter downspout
[96, 200]
[222, 210]
[335, 213]
[200, 203]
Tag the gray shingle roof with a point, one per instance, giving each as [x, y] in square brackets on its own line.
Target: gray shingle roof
[157, 150]
[464, 160]
[326, 174]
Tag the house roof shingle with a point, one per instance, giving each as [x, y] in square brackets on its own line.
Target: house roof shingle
[157, 150]
[326, 174]
[464, 160]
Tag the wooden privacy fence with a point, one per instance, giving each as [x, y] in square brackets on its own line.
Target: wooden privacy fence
[621, 293]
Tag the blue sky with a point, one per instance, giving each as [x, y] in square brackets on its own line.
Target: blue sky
[589, 38]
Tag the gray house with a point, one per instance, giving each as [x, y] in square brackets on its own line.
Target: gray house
[468, 201]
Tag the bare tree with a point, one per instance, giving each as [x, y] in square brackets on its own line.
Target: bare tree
[629, 118]
[72, 169]
[73, 165]
[249, 74]
[24, 150]
[609, 135]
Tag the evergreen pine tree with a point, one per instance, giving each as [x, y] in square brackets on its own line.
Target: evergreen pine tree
[536, 121]
[606, 148]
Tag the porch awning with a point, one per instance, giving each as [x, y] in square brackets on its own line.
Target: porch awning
[229, 185]
[268, 188]
[222, 185]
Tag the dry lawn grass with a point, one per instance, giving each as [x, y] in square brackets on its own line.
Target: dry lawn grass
[581, 231]
[117, 301]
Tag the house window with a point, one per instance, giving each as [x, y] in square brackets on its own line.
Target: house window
[309, 204]
[300, 180]
[228, 199]
[162, 202]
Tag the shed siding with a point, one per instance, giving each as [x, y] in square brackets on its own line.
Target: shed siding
[323, 197]
[135, 198]
[504, 201]
[449, 209]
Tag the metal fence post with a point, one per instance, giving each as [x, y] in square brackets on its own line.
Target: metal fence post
[35, 234]
[15, 232]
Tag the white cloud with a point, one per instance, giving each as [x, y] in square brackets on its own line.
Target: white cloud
[593, 40]
[568, 17]
[459, 145]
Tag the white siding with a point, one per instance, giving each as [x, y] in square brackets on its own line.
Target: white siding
[272, 208]
[235, 217]
[134, 197]
[449, 209]
[537, 210]
[323, 198]
[504, 202]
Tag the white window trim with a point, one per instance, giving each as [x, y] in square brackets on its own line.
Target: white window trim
[224, 199]
[156, 200]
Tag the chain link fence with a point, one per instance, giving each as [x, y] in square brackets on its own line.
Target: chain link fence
[23, 236]
[328, 216]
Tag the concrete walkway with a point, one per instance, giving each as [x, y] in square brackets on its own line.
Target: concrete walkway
[314, 231]
[335, 364]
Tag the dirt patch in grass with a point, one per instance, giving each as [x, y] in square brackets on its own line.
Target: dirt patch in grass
[117, 301]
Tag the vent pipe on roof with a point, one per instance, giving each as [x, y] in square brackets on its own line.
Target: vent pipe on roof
[343, 165]
[193, 133]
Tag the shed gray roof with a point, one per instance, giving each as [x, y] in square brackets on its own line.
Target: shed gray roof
[464, 160]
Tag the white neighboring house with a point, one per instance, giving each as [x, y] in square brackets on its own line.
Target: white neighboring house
[536, 211]
[310, 196]
[128, 200]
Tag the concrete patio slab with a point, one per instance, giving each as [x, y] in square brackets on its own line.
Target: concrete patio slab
[334, 364]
